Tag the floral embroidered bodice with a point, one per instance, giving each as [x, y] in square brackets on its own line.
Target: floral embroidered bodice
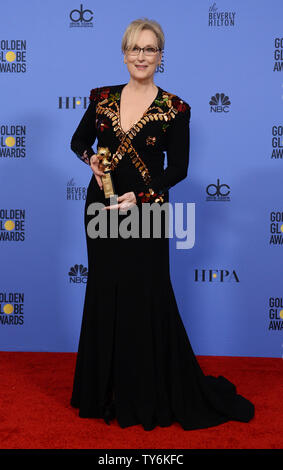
[164, 127]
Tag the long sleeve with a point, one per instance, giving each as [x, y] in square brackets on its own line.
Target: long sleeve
[178, 147]
[85, 134]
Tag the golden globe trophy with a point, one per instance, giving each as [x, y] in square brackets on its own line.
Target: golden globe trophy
[104, 156]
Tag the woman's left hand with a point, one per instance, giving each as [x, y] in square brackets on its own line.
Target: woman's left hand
[125, 201]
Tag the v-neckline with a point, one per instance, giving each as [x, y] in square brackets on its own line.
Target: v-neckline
[119, 108]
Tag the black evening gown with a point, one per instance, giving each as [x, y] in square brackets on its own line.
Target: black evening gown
[135, 362]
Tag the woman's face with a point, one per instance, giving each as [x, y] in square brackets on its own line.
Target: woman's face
[148, 63]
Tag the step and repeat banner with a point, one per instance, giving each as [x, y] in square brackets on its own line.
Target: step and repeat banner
[224, 58]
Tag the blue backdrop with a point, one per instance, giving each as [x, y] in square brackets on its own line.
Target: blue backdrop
[225, 59]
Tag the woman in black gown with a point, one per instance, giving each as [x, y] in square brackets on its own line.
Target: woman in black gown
[135, 362]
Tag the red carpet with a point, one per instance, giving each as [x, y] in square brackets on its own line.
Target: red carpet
[35, 411]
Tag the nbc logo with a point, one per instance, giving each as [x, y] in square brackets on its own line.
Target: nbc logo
[78, 274]
[219, 103]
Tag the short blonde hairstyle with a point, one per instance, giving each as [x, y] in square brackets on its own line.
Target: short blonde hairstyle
[136, 26]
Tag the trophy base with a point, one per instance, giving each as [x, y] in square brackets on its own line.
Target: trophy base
[108, 186]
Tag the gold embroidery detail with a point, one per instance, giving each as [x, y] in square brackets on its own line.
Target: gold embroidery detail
[111, 110]
[150, 140]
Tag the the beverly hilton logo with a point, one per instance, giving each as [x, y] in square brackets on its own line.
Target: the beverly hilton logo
[74, 192]
[220, 18]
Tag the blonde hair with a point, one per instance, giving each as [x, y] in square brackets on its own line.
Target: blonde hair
[135, 27]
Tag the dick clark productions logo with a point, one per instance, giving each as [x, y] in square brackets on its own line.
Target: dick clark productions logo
[81, 18]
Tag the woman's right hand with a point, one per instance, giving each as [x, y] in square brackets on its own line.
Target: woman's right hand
[96, 167]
